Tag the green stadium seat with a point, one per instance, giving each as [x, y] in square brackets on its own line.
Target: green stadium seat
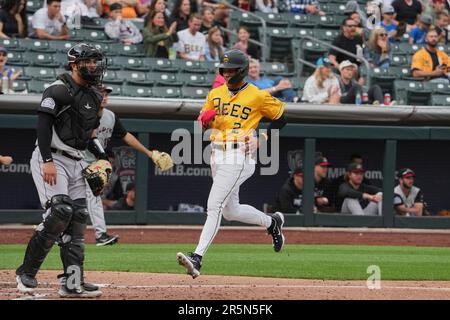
[62, 46]
[104, 47]
[325, 22]
[16, 59]
[36, 45]
[399, 60]
[137, 91]
[409, 49]
[411, 93]
[167, 92]
[209, 79]
[89, 35]
[129, 63]
[110, 77]
[437, 88]
[300, 33]
[41, 73]
[38, 86]
[99, 24]
[164, 78]
[238, 18]
[300, 21]
[211, 66]
[327, 35]
[280, 41]
[33, 5]
[134, 77]
[120, 49]
[194, 80]
[194, 92]
[19, 85]
[275, 68]
[10, 44]
[334, 8]
[190, 66]
[440, 100]
[160, 64]
[401, 72]
[116, 89]
[383, 78]
[61, 59]
[273, 19]
[40, 59]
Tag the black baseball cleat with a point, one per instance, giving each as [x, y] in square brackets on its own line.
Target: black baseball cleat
[192, 262]
[65, 292]
[89, 286]
[106, 239]
[25, 283]
[275, 230]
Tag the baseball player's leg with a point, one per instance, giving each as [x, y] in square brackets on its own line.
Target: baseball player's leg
[373, 208]
[96, 213]
[352, 206]
[56, 219]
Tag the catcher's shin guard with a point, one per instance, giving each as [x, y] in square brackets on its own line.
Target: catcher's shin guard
[72, 245]
[42, 240]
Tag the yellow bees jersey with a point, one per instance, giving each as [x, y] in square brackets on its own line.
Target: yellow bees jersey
[238, 115]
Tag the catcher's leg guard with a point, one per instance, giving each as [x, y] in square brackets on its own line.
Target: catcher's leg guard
[72, 245]
[42, 241]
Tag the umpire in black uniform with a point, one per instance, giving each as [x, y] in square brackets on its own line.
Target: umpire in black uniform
[67, 117]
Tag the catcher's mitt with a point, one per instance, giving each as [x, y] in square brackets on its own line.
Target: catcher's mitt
[97, 175]
[162, 160]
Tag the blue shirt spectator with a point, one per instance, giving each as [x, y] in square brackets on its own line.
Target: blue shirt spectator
[417, 35]
[303, 6]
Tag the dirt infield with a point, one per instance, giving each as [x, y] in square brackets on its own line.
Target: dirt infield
[174, 234]
[150, 286]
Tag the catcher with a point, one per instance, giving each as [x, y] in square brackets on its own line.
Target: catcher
[98, 172]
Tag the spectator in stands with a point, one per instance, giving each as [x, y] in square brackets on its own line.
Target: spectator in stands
[278, 87]
[323, 196]
[127, 202]
[131, 8]
[357, 197]
[191, 42]
[354, 11]
[95, 8]
[222, 19]
[5, 160]
[322, 86]
[430, 62]
[12, 23]
[158, 39]
[417, 34]
[48, 23]
[290, 198]
[388, 23]
[180, 13]
[160, 6]
[442, 27]
[7, 71]
[207, 20]
[120, 29]
[349, 88]
[348, 41]
[408, 199]
[214, 45]
[245, 45]
[378, 49]
[434, 8]
[267, 6]
[303, 7]
[407, 11]
[247, 5]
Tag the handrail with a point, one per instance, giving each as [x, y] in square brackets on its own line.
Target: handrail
[264, 24]
[326, 44]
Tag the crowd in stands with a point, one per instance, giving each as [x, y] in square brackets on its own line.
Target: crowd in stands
[194, 30]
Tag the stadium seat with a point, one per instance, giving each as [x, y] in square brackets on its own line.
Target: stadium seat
[137, 91]
[280, 41]
[19, 85]
[164, 78]
[411, 93]
[104, 47]
[335, 8]
[16, 59]
[327, 35]
[300, 21]
[116, 89]
[440, 100]
[36, 45]
[401, 72]
[310, 51]
[383, 78]
[194, 92]
[273, 19]
[209, 79]
[211, 66]
[399, 60]
[193, 80]
[238, 18]
[129, 63]
[325, 22]
[89, 35]
[409, 49]
[189, 66]
[300, 33]
[41, 73]
[10, 44]
[275, 68]
[38, 86]
[167, 92]
[437, 88]
[120, 49]
[60, 58]
[134, 77]
[41, 59]
[110, 77]
[62, 46]
[160, 64]
[33, 5]
[99, 24]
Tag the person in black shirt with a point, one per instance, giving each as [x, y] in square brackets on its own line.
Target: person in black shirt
[12, 19]
[180, 13]
[323, 196]
[348, 41]
[290, 197]
[357, 197]
[407, 11]
[127, 202]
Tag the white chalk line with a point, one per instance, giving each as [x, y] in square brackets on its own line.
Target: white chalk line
[246, 286]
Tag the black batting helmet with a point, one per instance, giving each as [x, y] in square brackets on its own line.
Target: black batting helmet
[234, 59]
[83, 51]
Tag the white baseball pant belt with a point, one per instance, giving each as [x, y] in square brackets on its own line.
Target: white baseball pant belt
[224, 146]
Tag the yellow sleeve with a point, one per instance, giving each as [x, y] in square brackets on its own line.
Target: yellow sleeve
[208, 104]
[272, 108]
[417, 61]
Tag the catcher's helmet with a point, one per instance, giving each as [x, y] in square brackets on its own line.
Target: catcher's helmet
[234, 59]
[83, 51]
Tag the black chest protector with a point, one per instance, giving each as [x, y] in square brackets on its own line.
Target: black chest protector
[76, 121]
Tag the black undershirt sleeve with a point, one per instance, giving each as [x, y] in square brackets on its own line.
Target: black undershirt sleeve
[276, 124]
[44, 135]
[119, 130]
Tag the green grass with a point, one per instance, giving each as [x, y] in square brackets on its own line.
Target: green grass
[296, 261]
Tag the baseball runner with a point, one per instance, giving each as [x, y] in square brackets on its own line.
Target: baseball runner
[110, 125]
[233, 111]
[67, 117]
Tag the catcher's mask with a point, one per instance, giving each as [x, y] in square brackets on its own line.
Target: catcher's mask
[234, 59]
[82, 55]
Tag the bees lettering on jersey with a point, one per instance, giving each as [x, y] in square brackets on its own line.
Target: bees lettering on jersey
[234, 110]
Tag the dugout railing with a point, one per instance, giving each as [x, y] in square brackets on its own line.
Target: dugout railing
[390, 134]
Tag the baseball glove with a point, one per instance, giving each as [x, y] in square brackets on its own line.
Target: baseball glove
[162, 160]
[97, 175]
